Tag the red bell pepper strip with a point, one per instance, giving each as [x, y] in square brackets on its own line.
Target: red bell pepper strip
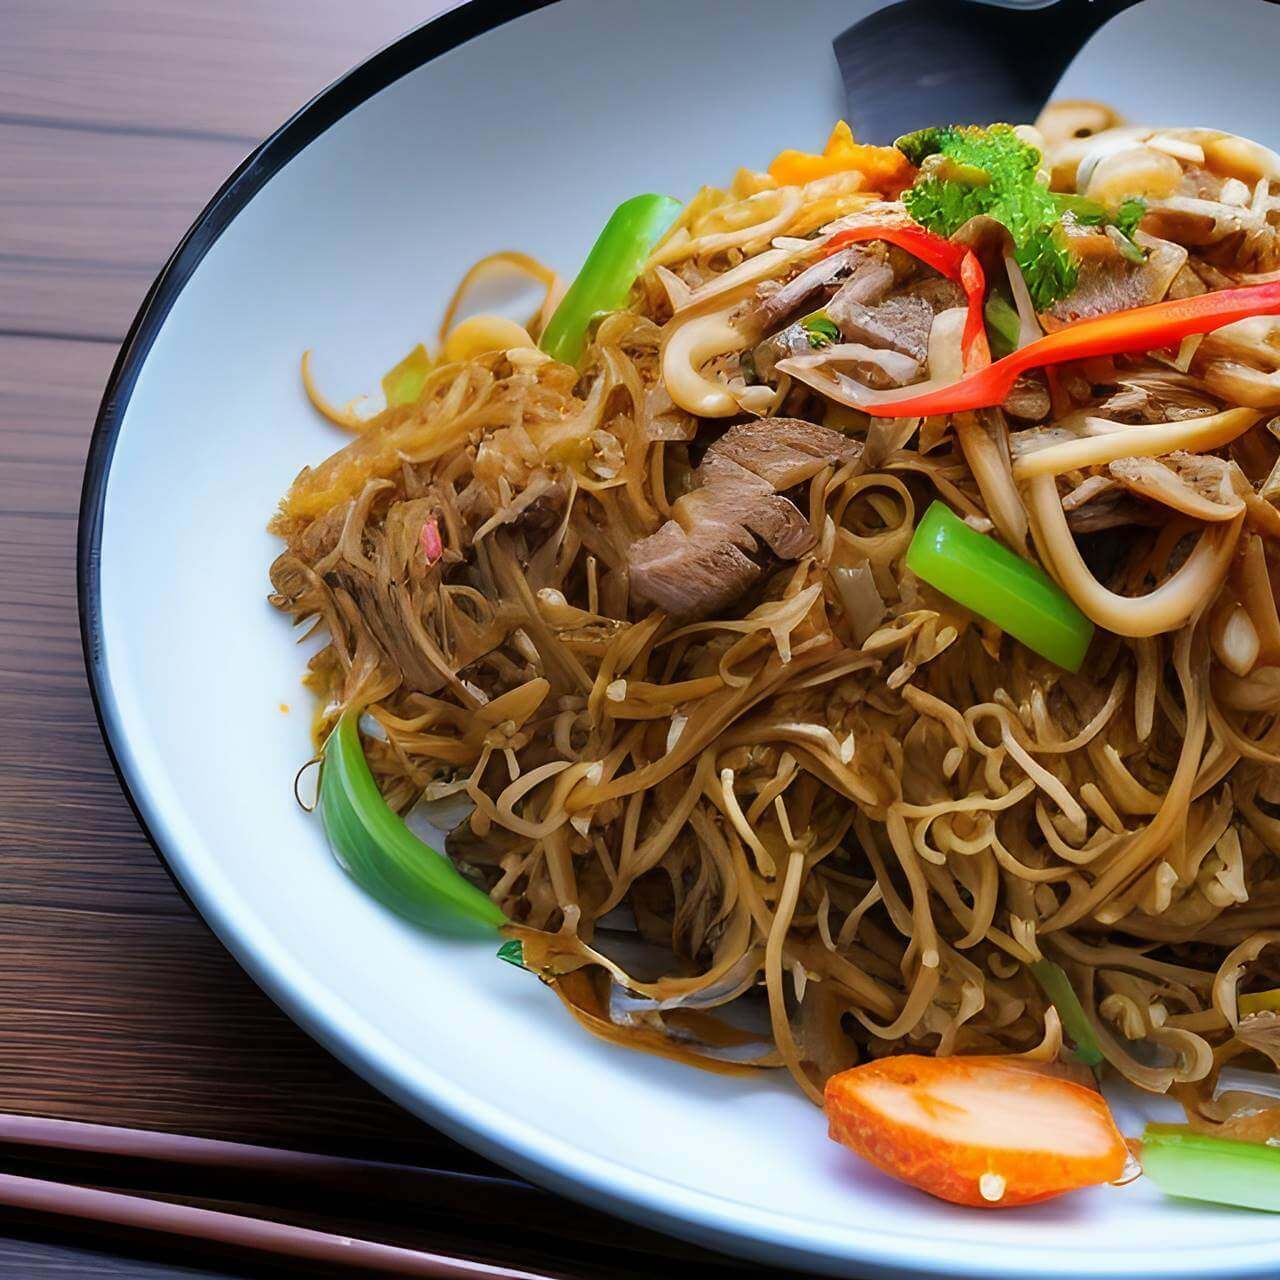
[955, 261]
[1163, 324]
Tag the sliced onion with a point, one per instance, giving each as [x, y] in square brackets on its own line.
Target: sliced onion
[690, 344]
[737, 979]
[1177, 598]
[1265, 1084]
[760, 267]
[815, 371]
[946, 354]
[1114, 440]
[864, 609]
[1029, 329]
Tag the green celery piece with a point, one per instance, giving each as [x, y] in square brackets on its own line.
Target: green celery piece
[612, 267]
[1199, 1166]
[981, 574]
[1057, 986]
[375, 847]
[1004, 325]
[403, 384]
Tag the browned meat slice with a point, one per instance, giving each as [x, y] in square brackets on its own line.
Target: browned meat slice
[722, 502]
[869, 280]
[791, 341]
[862, 267]
[698, 561]
[1028, 401]
[730, 493]
[689, 576]
[782, 526]
[900, 323]
[1112, 283]
[940, 293]
[784, 451]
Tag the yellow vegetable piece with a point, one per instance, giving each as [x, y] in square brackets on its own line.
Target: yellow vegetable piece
[480, 334]
[403, 384]
[1259, 1002]
[884, 168]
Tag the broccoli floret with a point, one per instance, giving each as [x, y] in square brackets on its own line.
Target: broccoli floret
[946, 195]
[967, 170]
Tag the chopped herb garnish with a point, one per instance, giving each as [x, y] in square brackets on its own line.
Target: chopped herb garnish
[1129, 215]
[512, 951]
[821, 328]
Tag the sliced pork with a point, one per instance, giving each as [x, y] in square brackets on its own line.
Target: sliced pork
[897, 324]
[864, 268]
[703, 558]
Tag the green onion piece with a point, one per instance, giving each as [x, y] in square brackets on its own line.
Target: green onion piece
[1004, 326]
[373, 845]
[821, 328]
[1258, 1002]
[1075, 1024]
[981, 574]
[1199, 1166]
[604, 283]
[512, 951]
[404, 383]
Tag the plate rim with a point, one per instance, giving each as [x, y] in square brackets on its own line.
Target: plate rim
[694, 1215]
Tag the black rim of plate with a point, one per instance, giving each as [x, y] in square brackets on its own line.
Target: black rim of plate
[410, 51]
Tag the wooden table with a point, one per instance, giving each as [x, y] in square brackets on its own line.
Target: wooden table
[118, 119]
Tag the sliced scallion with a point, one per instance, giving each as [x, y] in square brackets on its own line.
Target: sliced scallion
[373, 845]
[1057, 986]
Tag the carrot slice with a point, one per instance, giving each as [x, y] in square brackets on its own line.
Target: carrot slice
[985, 1131]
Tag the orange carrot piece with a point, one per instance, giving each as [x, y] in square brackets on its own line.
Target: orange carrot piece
[985, 1131]
[884, 168]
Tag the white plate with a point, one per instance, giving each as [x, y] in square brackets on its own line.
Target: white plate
[497, 127]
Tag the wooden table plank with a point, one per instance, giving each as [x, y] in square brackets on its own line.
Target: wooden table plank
[89, 217]
[231, 70]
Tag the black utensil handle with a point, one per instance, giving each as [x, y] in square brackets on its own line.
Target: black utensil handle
[1039, 44]
[919, 62]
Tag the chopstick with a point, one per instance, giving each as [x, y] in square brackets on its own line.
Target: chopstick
[39, 1195]
[342, 1173]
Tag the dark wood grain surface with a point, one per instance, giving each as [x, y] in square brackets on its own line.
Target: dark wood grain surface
[117, 122]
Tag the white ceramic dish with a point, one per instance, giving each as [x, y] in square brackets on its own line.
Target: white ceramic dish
[510, 125]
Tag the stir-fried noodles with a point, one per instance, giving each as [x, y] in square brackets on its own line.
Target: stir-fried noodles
[641, 633]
